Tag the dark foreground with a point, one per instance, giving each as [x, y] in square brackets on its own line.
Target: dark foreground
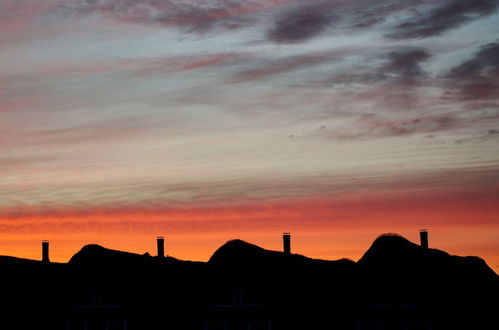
[395, 285]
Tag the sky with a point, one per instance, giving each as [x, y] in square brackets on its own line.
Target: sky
[208, 120]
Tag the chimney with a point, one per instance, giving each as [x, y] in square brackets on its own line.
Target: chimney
[286, 241]
[161, 246]
[423, 235]
[45, 251]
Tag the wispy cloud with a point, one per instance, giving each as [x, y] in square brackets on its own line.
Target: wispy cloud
[289, 64]
[291, 21]
[223, 113]
[195, 16]
[302, 22]
[402, 65]
[16, 16]
[477, 78]
[433, 20]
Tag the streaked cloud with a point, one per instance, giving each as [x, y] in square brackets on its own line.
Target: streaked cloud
[477, 78]
[294, 21]
[223, 114]
[442, 17]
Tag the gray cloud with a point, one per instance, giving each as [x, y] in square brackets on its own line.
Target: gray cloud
[401, 66]
[431, 124]
[294, 21]
[381, 125]
[484, 62]
[425, 125]
[357, 78]
[271, 68]
[195, 16]
[406, 63]
[414, 18]
[445, 16]
[477, 78]
[301, 23]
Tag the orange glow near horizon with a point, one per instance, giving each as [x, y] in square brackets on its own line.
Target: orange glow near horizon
[336, 121]
[321, 228]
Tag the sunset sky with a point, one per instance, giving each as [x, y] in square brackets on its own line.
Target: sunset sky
[207, 120]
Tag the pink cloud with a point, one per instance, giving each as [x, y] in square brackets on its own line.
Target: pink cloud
[18, 16]
[289, 64]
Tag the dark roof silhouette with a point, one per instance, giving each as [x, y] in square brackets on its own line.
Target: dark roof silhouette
[240, 252]
[248, 258]
[8, 260]
[96, 254]
[394, 253]
[388, 249]
[395, 282]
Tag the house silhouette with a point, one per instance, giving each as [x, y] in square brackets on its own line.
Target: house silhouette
[395, 285]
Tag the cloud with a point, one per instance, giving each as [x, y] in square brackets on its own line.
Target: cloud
[18, 15]
[288, 64]
[406, 63]
[291, 21]
[426, 187]
[472, 126]
[196, 16]
[447, 15]
[424, 125]
[306, 20]
[477, 78]
[406, 19]
[147, 65]
[379, 126]
[17, 162]
[300, 24]
[484, 62]
[400, 66]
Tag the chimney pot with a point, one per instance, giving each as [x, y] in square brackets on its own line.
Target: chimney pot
[45, 251]
[286, 241]
[423, 235]
[160, 240]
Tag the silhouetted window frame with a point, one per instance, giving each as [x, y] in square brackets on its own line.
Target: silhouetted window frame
[224, 322]
[124, 323]
[362, 323]
[252, 322]
[70, 324]
[428, 324]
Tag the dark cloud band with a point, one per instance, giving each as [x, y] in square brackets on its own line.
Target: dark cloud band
[293, 21]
